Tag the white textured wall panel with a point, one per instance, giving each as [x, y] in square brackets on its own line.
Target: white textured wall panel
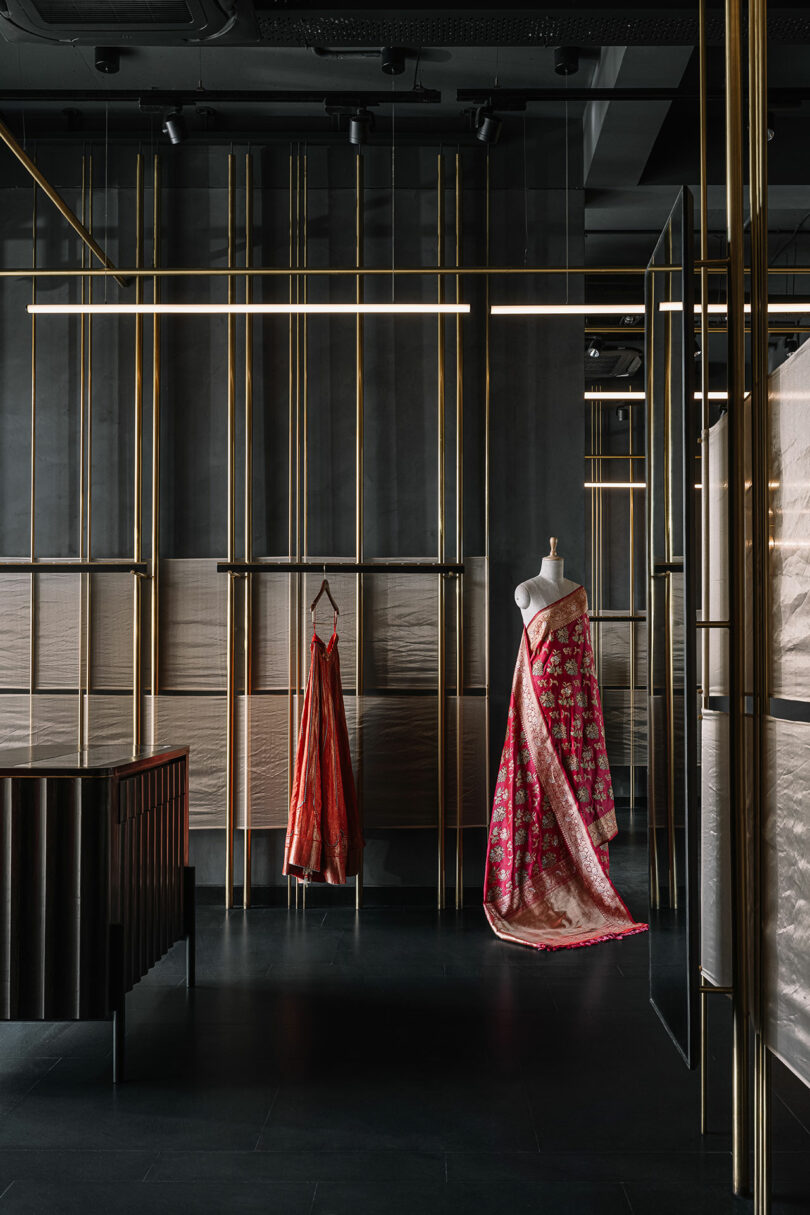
[787, 895]
[715, 851]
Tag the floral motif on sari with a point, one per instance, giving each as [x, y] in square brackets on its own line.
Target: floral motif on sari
[547, 872]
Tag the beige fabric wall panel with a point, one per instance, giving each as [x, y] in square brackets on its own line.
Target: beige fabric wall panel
[715, 851]
[54, 719]
[475, 623]
[109, 720]
[474, 804]
[787, 895]
[262, 734]
[613, 641]
[401, 629]
[198, 722]
[15, 598]
[111, 631]
[616, 709]
[400, 770]
[790, 499]
[193, 605]
[56, 631]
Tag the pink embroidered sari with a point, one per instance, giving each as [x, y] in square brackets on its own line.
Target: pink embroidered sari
[547, 882]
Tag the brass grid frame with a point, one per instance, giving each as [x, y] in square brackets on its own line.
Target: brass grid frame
[297, 273]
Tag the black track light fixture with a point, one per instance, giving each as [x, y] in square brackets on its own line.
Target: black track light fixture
[360, 124]
[107, 59]
[487, 125]
[174, 125]
[791, 343]
[392, 60]
[594, 348]
[566, 60]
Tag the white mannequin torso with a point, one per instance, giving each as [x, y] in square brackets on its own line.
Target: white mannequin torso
[546, 588]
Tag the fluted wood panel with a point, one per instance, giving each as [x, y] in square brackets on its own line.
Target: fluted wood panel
[79, 854]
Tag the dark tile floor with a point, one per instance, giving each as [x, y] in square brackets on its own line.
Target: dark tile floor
[399, 1061]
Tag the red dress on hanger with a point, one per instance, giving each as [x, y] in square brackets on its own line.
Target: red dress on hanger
[324, 839]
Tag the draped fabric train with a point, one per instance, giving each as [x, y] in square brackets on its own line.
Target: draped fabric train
[547, 882]
[324, 841]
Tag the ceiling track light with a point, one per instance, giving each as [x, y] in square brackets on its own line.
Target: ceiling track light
[361, 123]
[107, 60]
[392, 60]
[594, 348]
[487, 125]
[566, 60]
[174, 125]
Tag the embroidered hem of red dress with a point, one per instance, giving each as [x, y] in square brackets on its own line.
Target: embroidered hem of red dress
[547, 873]
[324, 841]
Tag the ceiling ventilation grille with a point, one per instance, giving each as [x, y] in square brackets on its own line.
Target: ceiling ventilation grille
[129, 22]
[287, 23]
[113, 14]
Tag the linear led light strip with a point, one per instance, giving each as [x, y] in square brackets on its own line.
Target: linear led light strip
[567, 309]
[721, 309]
[626, 309]
[242, 309]
[640, 396]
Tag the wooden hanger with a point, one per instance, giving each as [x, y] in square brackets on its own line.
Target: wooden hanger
[324, 590]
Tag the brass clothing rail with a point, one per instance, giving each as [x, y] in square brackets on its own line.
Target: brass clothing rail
[340, 567]
[74, 567]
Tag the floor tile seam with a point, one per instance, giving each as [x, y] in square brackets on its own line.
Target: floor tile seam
[792, 1113]
[24, 1096]
[267, 1118]
[530, 1108]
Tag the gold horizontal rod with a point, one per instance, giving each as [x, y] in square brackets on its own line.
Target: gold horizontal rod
[712, 624]
[61, 206]
[337, 271]
[122, 275]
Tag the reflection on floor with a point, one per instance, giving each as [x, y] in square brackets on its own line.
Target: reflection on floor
[396, 1062]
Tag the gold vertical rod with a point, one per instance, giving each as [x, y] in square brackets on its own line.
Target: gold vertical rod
[247, 853]
[736, 534]
[154, 602]
[359, 497]
[706, 641]
[290, 521]
[299, 578]
[704, 1063]
[632, 596]
[653, 753]
[137, 493]
[459, 876]
[760, 476]
[487, 403]
[669, 597]
[230, 750]
[32, 518]
[441, 721]
[88, 544]
[82, 467]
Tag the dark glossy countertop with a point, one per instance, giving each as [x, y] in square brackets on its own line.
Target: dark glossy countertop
[93, 761]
